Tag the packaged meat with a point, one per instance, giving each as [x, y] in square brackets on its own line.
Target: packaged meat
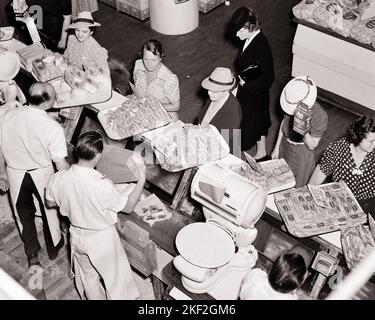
[356, 242]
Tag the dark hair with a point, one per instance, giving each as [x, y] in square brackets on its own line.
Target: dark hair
[358, 130]
[243, 17]
[38, 94]
[287, 272]
[89, 144]
[153, 46]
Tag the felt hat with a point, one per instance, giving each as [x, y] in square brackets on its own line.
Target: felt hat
[239, 18]
[9, 65]
[299, 89]
[220, 79]
[84, 20]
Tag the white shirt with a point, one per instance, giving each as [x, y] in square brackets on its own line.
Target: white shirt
[30, 138]
[248, 41]
[87, 197]
[214, 108]
[257, 287]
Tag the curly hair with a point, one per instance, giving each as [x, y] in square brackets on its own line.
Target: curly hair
[359, 129]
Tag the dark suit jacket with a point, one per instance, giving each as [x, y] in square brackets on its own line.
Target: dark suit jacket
[228, 117]
[254, 94]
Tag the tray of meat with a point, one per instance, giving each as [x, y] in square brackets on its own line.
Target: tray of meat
[132, 117]
[356, 243]
[189, 146]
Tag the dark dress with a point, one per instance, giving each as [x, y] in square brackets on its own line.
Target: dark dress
[254, 94]
[228, 118]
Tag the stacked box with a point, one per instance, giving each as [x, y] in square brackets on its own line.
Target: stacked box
[111, 3]
[208, 5]
[136, 8]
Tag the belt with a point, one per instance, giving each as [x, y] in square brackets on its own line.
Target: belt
[292, 142]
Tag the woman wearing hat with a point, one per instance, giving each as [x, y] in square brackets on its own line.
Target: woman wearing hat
[10, 94]
[256, 75]
[222, 109]
[83, 50]
[76, 6]
[154, 81]
[300, 131]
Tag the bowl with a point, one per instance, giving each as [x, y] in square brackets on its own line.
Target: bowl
[6, 33]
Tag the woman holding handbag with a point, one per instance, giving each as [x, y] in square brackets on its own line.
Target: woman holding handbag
[256, 75]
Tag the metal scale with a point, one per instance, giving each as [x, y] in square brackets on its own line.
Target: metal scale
[214, 256]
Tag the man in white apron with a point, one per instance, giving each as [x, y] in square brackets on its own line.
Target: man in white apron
[91, 201]
[30, 140]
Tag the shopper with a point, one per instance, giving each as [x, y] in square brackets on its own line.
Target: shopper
[352, 159]
[256, 75]
[30, 142]
[298, 148]
[286, 276]
[77, 6]
[222, 109]
[91, 202]
[154, 81]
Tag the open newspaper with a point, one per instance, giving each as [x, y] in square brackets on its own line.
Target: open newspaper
[272, 175]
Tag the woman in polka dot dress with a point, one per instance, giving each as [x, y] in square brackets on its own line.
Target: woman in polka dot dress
[352, 159]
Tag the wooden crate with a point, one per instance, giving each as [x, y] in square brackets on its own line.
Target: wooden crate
[141, 251]
[136, 8]
[208, 5]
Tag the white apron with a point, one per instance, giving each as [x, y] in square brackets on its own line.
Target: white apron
[40, 178]
[107, 257]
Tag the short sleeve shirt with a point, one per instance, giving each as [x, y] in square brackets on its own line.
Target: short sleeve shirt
[87, 53]
[256, 286]
[165, 87]
[30, 138]
[87, 197]
[319, 122]
[337, 160]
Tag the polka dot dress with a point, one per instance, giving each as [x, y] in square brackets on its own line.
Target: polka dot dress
[338, 161]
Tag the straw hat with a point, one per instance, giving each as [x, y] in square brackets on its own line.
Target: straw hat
[9, 65]
[84, 20]
[299, 89]
[220, 79]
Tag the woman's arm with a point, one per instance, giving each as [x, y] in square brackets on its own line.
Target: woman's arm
[276, 150]
[317, 177]
[310, 141]
[64, 32]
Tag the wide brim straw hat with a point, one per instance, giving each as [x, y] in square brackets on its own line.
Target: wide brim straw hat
[9, 65]
[221, 79]
[300, 89]
[84, 20]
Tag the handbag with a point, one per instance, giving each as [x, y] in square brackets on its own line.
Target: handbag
[252, 72]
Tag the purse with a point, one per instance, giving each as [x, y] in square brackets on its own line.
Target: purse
[252, 72]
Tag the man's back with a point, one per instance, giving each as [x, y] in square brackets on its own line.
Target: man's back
[30, 138]
[90, 200]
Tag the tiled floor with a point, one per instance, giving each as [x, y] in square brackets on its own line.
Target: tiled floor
[57, 281]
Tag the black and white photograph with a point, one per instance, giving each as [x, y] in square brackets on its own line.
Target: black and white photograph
[187, 156]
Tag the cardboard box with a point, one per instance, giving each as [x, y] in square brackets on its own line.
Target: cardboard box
[208, 5]
[111, 3]
[136, 8]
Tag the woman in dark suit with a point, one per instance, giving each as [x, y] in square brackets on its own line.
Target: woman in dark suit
[222, 109]
[256, 75]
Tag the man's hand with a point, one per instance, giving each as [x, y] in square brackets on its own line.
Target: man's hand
[241, 83]
[4, 184]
